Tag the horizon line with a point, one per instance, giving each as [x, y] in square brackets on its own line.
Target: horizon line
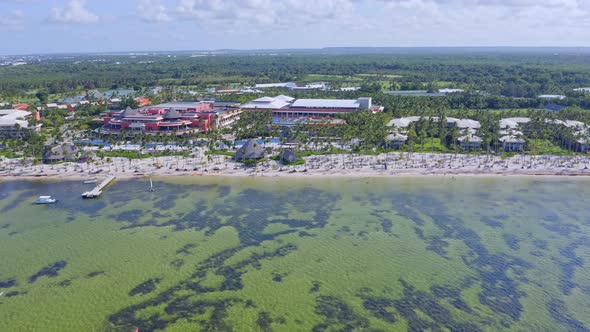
[295, 49]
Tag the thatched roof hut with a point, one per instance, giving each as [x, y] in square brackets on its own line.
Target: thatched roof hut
[172, 115]
[129, 112]
[63, 152]
[250, 150]
[288, 157]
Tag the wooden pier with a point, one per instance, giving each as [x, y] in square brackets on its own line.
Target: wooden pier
[97, 191]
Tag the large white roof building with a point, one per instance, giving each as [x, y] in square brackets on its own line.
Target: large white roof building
[9, 119]
[266, 103]
[326, 103]
[560, 97]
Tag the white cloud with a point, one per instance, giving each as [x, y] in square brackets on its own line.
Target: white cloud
[152, 11]
[264, 13]
[383, 22]
[75, 12]
[12, 21]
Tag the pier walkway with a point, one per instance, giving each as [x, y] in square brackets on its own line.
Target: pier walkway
[97, 191]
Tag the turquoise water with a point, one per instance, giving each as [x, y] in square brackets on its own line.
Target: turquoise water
[251, 254]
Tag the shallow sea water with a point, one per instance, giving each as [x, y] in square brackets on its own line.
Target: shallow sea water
[252, 254]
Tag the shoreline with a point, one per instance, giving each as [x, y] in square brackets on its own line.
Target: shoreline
[319, 166]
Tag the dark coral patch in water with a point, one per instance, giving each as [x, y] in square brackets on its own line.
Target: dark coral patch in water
[264, 321]
[381, 308]
[569, 264]
[558, 312]
[65, 283]
[14, 293]
[177, 263]
[186, 249]
[440, 317]
[95, 274]
[252, 211]
[224, 191]
[50, 271]
[130, 216]
[499, 291]
[491, 222]
[511, 240]
[8, 283]
[276, 277]
[145, 287]
[338, 316]
[315, 287]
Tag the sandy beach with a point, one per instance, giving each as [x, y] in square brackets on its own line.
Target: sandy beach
[347, 165]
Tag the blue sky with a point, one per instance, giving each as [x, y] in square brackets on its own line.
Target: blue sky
[47, 26]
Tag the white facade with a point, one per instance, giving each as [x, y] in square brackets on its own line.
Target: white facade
[560, 97]
[447, 91]
[327, 103]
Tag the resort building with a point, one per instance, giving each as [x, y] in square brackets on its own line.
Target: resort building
[470, 142]
[514, 123]
[266, 104]
[275, 85]
[174, 117]
[560, 97]
[311, 87]
[288, 107]
[395, 141]
[462, 124]
[449, 91]
[15, 123]
[512, 143]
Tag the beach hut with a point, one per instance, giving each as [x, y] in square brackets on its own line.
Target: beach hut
[288, 157]
[87, 156]
[250, 150]
[59, 153]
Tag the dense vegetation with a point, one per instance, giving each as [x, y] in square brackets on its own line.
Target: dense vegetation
[518, 74]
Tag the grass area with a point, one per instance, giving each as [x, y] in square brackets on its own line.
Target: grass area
[9, 154]
[545, 147]
[430, 145]
[322, 77]
[221, 152]
[379, 75]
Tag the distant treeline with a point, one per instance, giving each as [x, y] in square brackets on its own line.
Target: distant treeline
[509, 74]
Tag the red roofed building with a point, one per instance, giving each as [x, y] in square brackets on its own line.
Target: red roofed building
[176, 117]
[21, 107]
[143, 102]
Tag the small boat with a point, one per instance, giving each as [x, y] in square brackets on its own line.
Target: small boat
[45, 200]
[89, 181]
[151, 185]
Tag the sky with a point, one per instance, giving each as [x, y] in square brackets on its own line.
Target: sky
[62, 26]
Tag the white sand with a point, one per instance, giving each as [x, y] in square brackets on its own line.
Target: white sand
[349, 165]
